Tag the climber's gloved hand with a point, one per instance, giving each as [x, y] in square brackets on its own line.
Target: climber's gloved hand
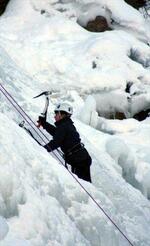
[41, 121]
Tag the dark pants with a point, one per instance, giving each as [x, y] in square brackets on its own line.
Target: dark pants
[82, 169]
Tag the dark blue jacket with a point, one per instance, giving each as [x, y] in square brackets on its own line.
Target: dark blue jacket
[67, 138]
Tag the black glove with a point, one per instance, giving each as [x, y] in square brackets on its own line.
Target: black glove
[47, 147]
[41, 121]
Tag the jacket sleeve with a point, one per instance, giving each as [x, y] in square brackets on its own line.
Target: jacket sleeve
[57, 140]
[49, 128]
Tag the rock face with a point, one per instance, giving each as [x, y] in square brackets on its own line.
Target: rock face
[98, 25]
[3, 4]
[116, 116]
[136, 3]
[142, 115]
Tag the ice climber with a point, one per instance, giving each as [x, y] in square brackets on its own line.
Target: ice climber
[68, 139]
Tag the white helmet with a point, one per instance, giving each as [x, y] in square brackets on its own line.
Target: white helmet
[64, 107]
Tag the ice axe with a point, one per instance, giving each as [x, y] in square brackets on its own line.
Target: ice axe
[46, 94]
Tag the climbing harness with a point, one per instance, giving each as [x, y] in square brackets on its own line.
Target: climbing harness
[39, 133]
[77, 147]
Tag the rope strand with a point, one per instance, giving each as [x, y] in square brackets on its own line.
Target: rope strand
[28, 120]
[7, 95]
[26, 115]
